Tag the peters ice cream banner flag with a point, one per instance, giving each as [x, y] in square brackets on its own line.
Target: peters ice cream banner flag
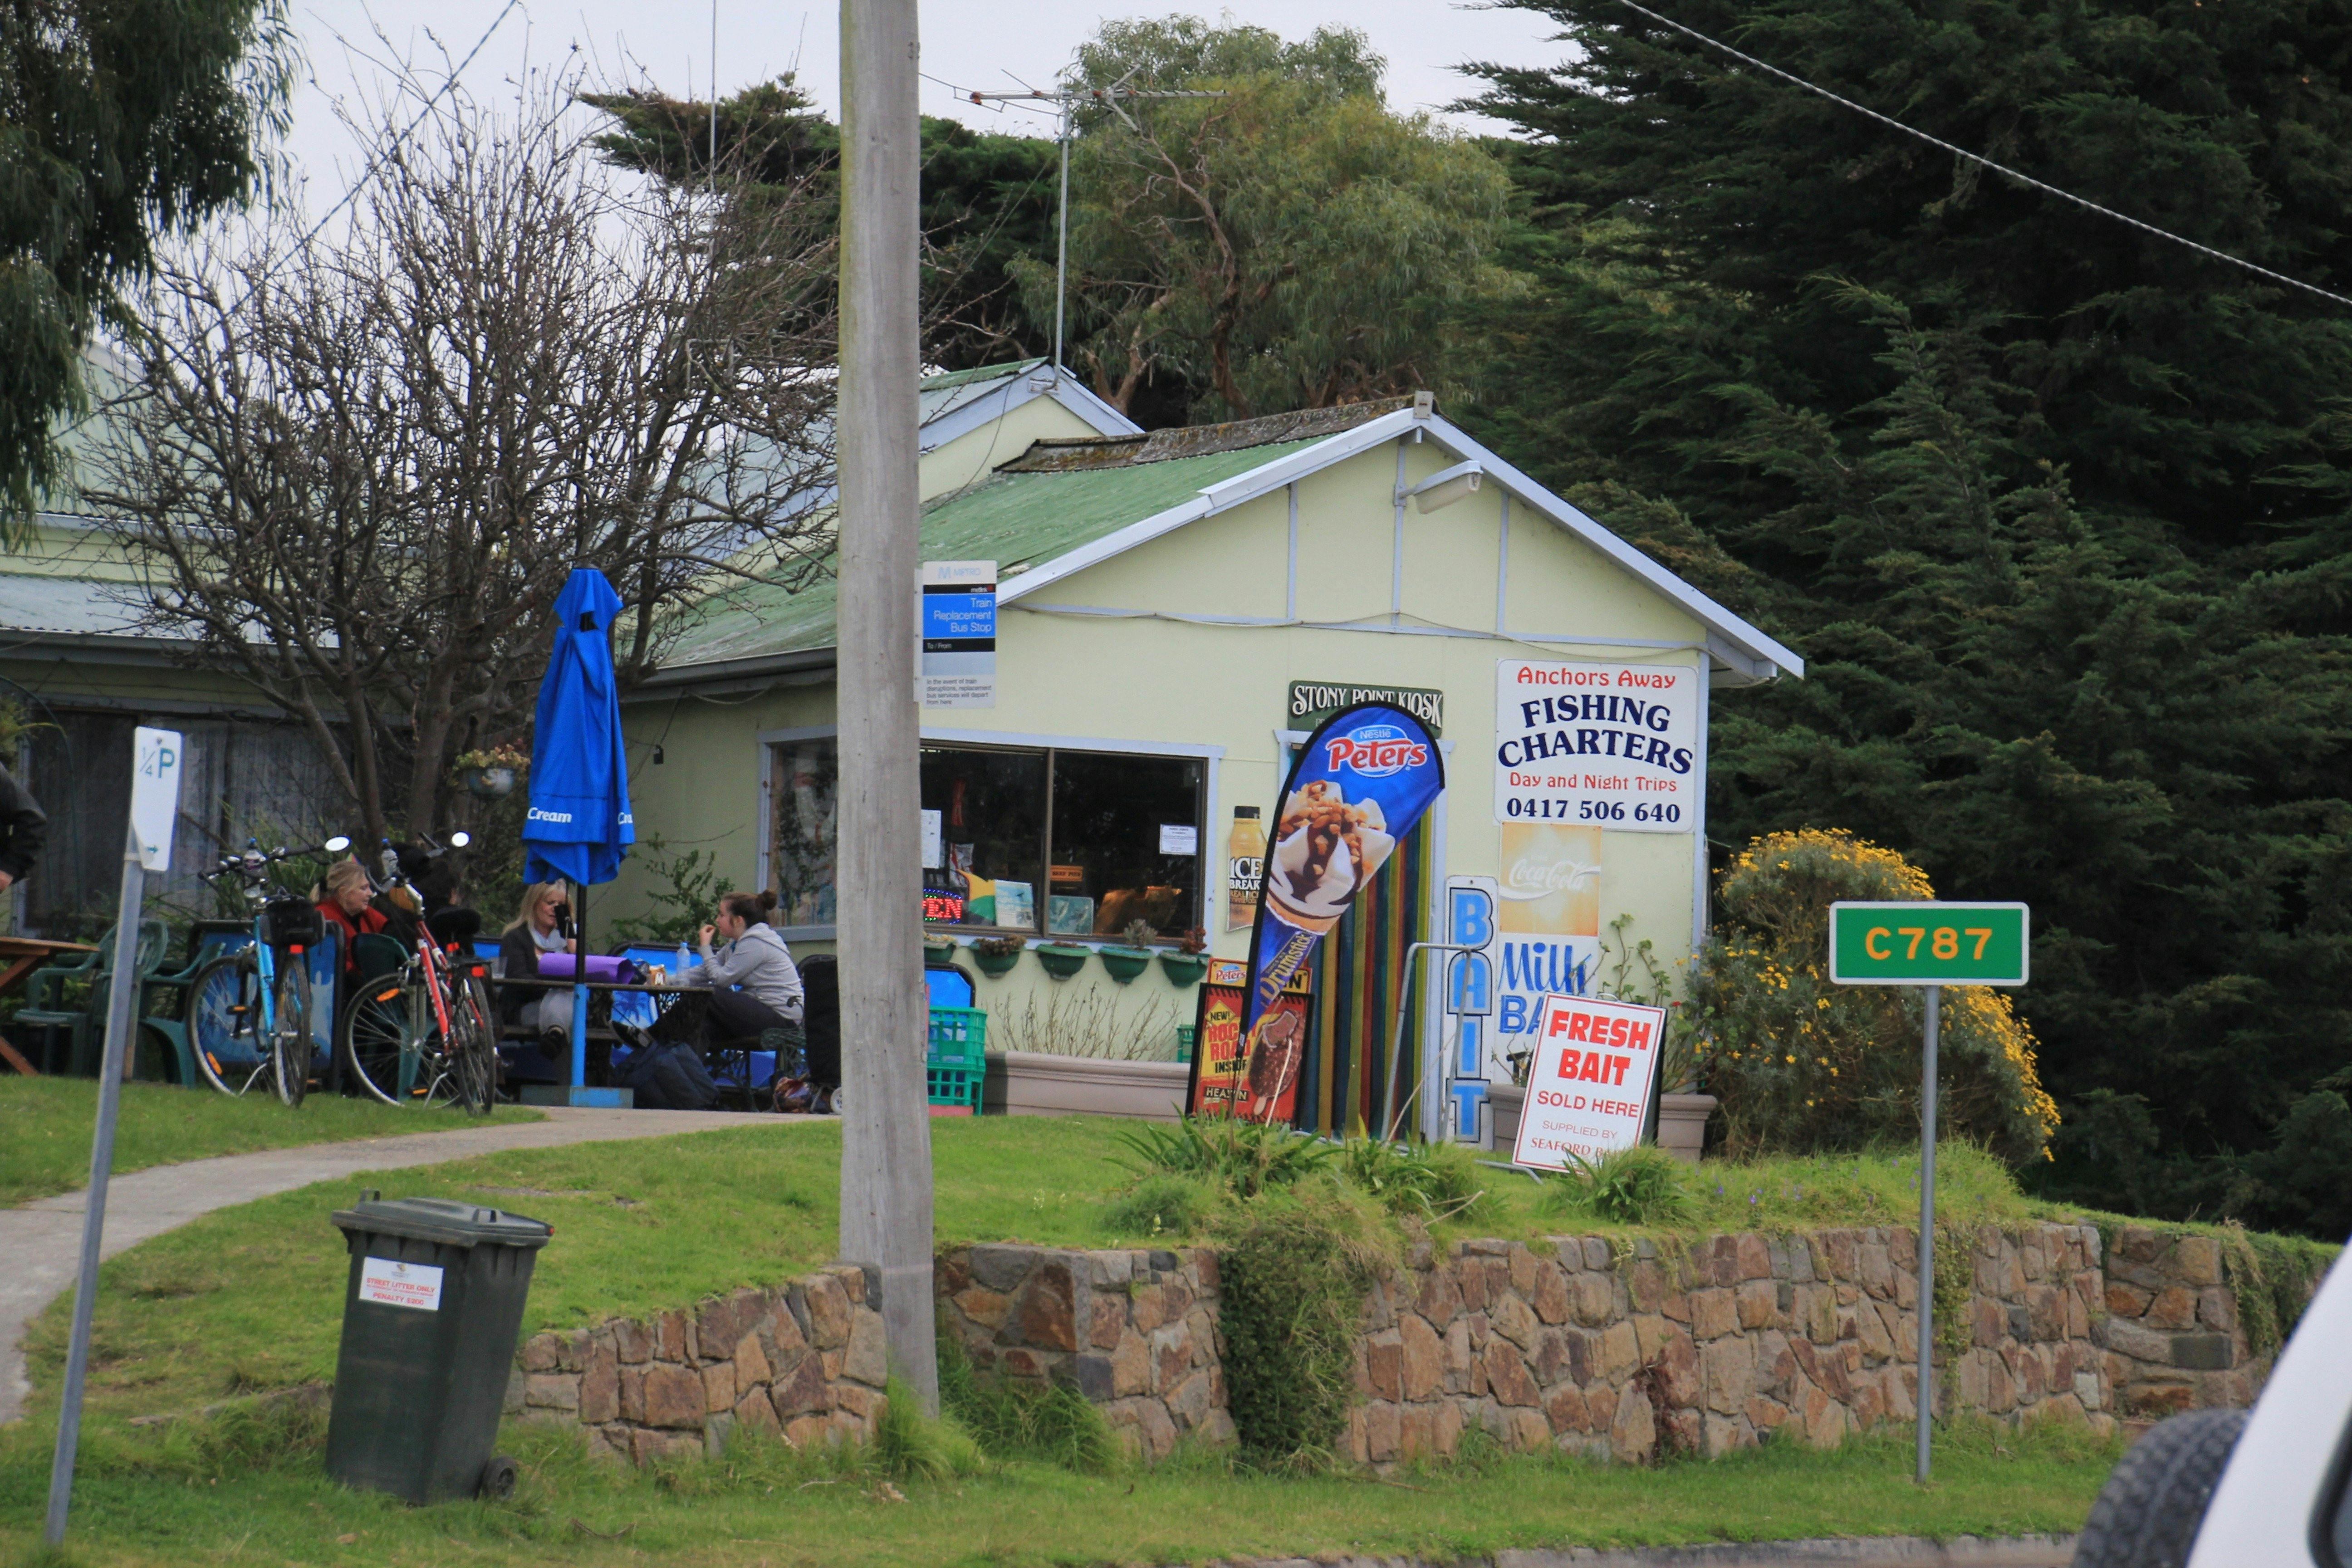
[1359, 785]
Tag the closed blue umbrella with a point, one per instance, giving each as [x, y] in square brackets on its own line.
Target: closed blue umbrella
[578, 828]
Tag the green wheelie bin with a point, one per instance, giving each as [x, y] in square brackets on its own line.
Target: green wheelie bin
[430, 1317]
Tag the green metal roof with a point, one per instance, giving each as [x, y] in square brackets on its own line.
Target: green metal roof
[1012, 519]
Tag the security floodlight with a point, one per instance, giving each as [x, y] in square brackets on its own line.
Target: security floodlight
[1445, 486]
[461, 839]
[336, 845]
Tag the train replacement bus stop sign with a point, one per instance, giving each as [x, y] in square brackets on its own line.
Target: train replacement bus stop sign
[1930, 946]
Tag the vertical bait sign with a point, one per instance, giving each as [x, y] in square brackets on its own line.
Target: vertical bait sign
[1605, 745]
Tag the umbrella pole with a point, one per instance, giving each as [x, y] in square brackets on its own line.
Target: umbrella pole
[580, 993]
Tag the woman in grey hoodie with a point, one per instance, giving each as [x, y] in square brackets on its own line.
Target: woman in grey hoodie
[754, 985]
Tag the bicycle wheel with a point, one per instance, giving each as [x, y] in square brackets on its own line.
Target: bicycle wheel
[379, 1039]
[289, 1032]
[225, 1021]
[473, 1048]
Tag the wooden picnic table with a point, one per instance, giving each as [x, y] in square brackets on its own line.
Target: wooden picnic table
[20, 956]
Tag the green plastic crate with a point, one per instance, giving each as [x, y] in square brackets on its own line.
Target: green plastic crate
[959, 1036]
[954, 1085]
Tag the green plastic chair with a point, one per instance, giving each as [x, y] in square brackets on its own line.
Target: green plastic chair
[207, 939]
[84, 1028]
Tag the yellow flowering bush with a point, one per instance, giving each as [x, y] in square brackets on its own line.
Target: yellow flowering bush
[1801, 1066]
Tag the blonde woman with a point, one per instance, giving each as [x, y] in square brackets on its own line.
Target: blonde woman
[536, 928]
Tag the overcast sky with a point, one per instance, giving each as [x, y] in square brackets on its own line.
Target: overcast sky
[991, 46]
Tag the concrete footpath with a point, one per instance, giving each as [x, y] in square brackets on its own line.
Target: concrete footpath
[40, 1243]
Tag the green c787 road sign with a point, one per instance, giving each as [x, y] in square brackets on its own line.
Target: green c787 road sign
[1929, 944]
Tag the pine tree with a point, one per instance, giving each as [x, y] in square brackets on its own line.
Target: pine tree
[2057, 510]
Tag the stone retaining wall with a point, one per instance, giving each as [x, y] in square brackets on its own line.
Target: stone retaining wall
[1617, 1350]
[2173, 1336]
[806, 1359]
[1627, 1354]
[1133, 1332]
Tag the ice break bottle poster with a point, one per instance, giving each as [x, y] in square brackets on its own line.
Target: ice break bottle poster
[1356, 788]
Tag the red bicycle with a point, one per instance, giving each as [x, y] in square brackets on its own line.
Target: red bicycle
[420, 1030]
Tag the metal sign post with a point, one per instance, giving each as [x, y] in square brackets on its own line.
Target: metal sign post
[154, 807]
[1930, 946]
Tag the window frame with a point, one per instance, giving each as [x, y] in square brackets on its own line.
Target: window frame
[1210, 757]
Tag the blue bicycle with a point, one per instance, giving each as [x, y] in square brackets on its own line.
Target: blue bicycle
[249, 1012]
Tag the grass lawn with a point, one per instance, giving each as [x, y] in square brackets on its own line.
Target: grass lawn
[766, 1506]
[45, 1125]
[250, 1298]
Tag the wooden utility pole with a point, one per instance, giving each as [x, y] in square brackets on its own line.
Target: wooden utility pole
[886, 1144]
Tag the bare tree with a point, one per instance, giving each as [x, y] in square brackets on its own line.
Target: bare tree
[357, 469]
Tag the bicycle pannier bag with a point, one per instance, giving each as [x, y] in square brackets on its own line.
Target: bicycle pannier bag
[295, 923]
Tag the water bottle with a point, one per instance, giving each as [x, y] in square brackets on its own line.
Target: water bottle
[684, 959]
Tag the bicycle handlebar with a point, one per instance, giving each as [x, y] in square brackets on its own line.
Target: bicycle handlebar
[254, 864]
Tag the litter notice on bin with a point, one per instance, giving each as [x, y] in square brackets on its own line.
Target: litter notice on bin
[393, 1284]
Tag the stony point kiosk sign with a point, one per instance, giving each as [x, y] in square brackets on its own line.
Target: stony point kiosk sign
[1614, 745]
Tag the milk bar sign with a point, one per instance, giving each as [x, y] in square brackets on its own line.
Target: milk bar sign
[1312, 701]
[1610, 745]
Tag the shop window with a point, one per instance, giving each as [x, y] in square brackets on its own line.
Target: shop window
[983, 837]
[1125, 843]
[806, 780]
[1061, 843]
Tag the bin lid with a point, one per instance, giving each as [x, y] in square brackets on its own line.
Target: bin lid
[444, 1220]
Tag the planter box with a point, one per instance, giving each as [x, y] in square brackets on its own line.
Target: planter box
[1032, 1083]
[1507, 1099]
[1681, 1124]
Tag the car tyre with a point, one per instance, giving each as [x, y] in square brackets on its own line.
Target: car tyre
[2147, 1513]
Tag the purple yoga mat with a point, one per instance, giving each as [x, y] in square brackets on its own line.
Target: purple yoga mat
[558, 966]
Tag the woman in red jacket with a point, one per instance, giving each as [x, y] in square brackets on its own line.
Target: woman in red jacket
[347, 903]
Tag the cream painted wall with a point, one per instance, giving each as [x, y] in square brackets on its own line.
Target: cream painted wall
[973, 456]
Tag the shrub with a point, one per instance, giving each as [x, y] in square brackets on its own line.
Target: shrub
[1247, 1158]
[1293, 1270]
[1641, 1185]
[1429, 1181]
[1801, 1065]
[1161, 1204]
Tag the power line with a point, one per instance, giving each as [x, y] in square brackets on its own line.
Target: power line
[1980, 158]
[377, 161]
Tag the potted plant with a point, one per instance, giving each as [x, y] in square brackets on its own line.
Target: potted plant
[1683, 1111]
[1506, 1101]
[492, 773]
[937, 949]
[1126, 963]
[1187, 962]
[1061, 959]
[996, 955]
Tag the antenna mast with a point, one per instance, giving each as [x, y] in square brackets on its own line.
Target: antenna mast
[1067, 102]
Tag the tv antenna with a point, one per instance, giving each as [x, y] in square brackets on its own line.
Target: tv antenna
[1067, 102]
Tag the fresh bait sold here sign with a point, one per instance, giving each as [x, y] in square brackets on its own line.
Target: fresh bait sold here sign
[1589, 1082]
[1606, 745]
